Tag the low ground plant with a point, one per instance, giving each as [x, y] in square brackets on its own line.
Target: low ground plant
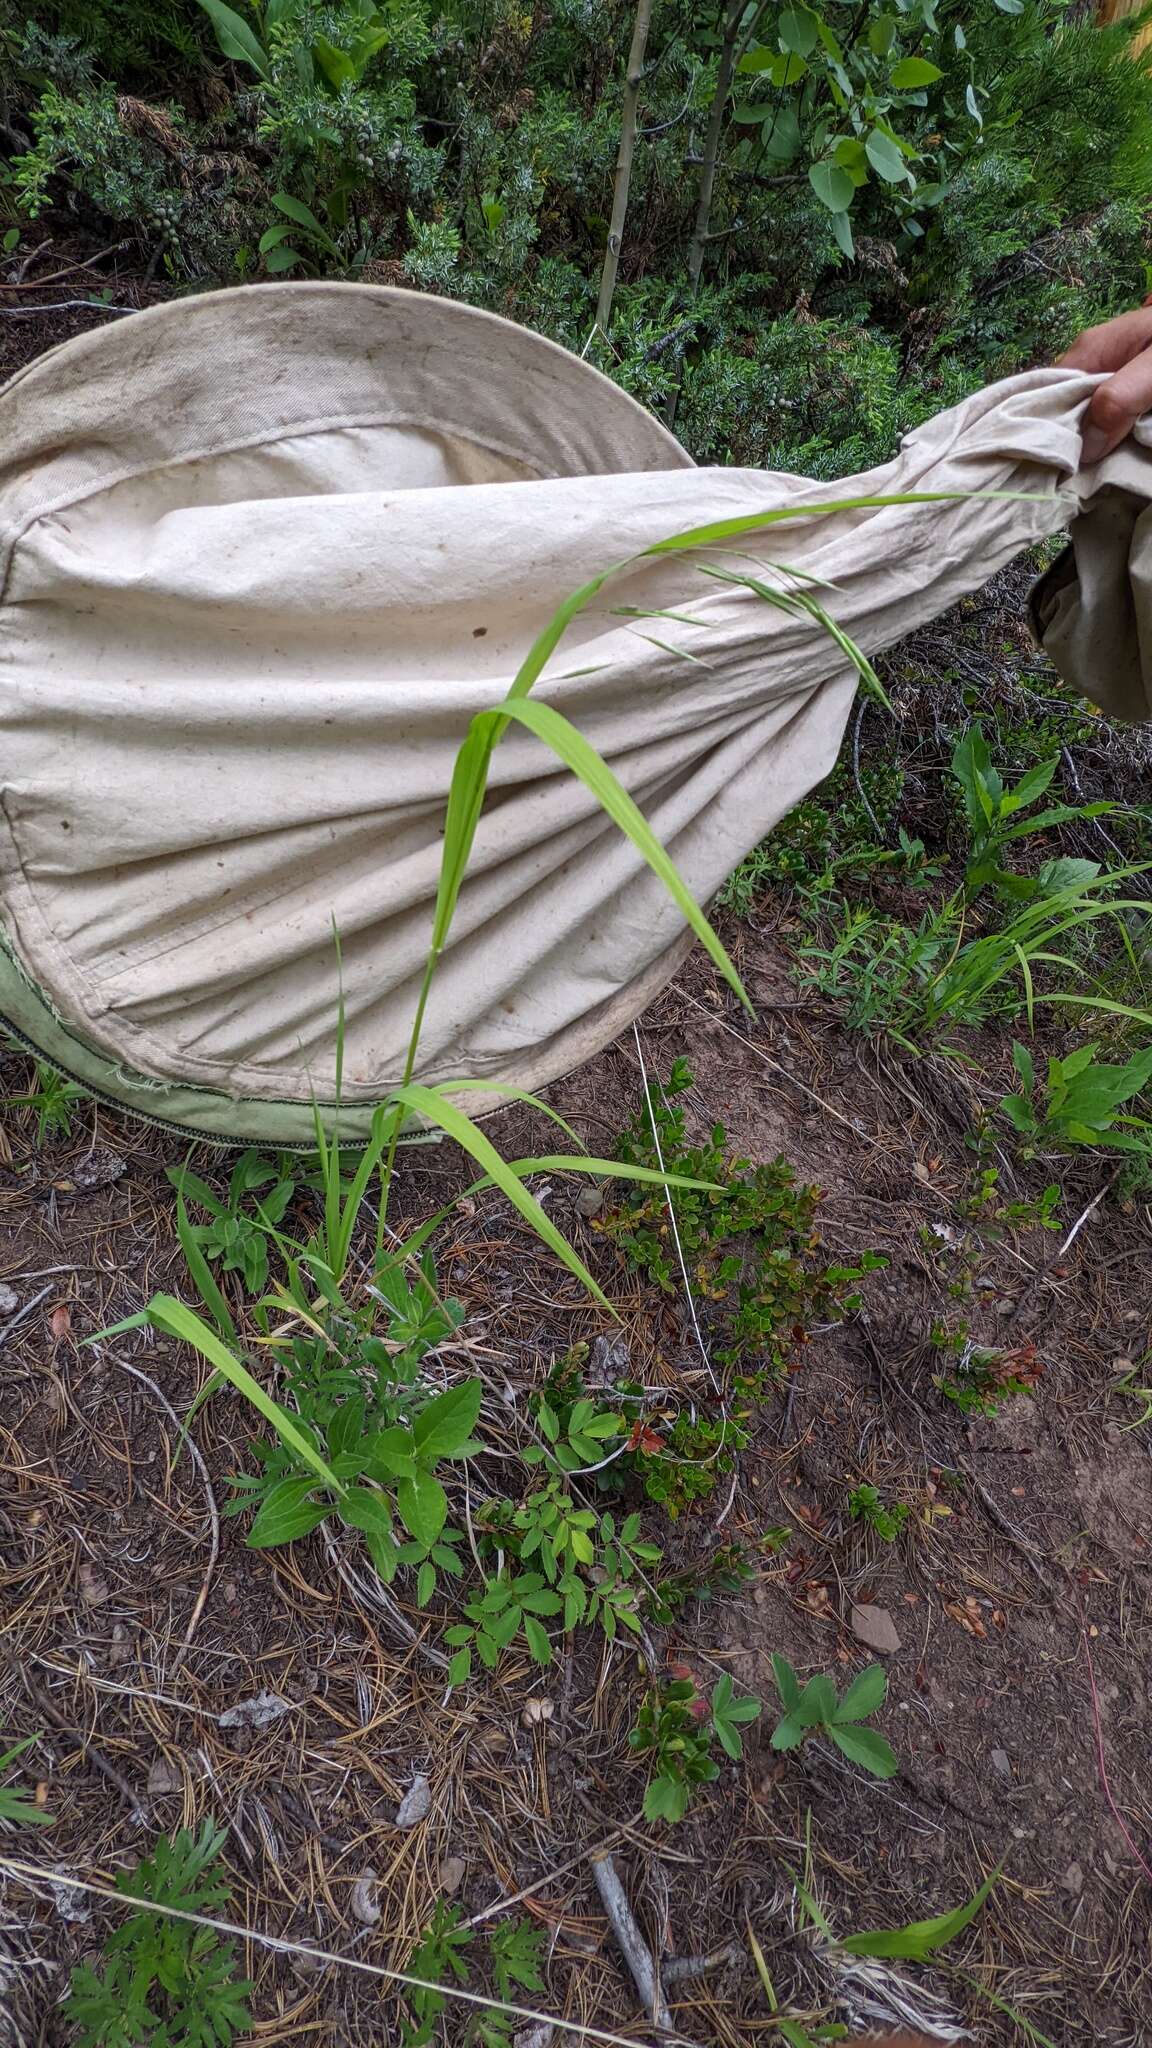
[676, 1728]
[885, 1518]
[163, 1981]
[815, 1709]
[1080, 1102]
[515, 1958]
[748, 1235]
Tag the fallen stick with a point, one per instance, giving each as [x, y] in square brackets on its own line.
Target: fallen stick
[632, 1944]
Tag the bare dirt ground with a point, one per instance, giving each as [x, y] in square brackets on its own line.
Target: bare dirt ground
[1018, 1698]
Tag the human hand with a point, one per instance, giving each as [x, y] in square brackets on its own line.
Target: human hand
[1124, 347]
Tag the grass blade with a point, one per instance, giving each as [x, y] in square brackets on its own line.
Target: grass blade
[430, 1103]
[175, 1319]
[573, 749]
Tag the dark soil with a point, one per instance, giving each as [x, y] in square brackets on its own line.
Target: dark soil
[1019, 1593]
[134, 1617]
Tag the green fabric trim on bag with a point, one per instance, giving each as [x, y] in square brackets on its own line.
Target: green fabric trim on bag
[193, 1112]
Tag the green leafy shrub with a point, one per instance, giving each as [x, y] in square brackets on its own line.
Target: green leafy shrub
[990, 171]
[236, 1237]
[695, 1455]
[750, 1242]
[516, 1962]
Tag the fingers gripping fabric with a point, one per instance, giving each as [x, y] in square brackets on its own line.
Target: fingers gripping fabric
[264, 554]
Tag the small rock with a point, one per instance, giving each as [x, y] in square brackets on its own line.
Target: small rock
[9, 1299]
[536, 1711]
[535, 2037]
[875, 1627]
[1001, 1763]
[120, 1648]
[97, 1169]
[259, 1712]
[590, 1200]
[415, 1804]
[611, 1358]
[93, 1587]
[70, 1904]
[163, 1777]
[365, 1905]
[1073, 1880]
[452, 1875]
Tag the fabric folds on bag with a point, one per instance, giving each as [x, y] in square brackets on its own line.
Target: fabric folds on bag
[264, 554]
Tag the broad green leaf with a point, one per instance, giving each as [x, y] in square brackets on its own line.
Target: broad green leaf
[175, 1319]
[787, 70]
[286, 1512]
[235, 37]
[665, 1799]
[747, 1708]
[1030, 786]
[362, 1508]
[460, 1667]
[1025, 1066]
[346, 1427]
[447, 1422]
[384, 1552]
[842, 232]
[831, 184]
[882, 34]
[722, 1694]
[780, 135]
[281, 259]
[296, 210]
[603, 1426]
[541, 1601]
[423, 1506]
[787, 1683]
[885, 157]
[337, 65]
[797, 30]
[817, 1702]
[865, 1747]
[912, 72]
[921, 1938]
[864, 1695]
[1019, 1113]
[850, 154]
[788, 1733]
[536, 1637]
[390, 1453]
